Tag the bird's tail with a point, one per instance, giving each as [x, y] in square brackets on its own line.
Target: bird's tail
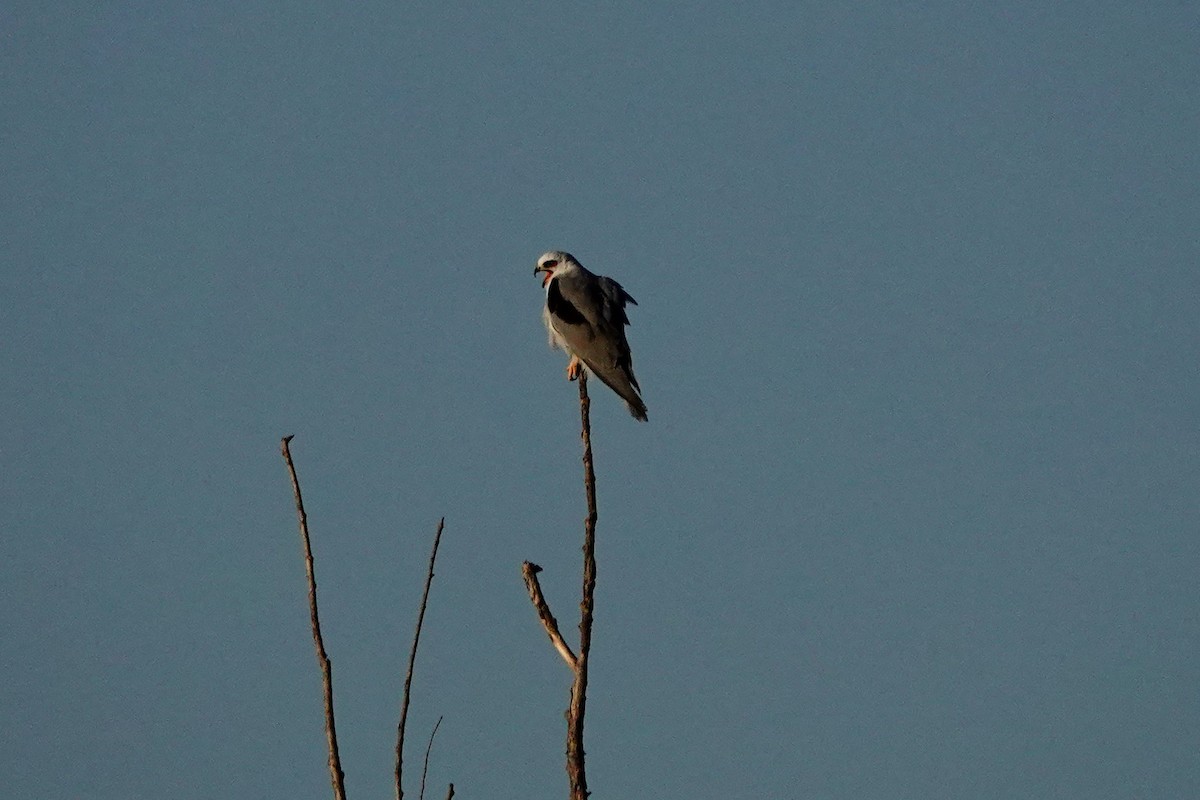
[631, 393]
[637, 408]
[625, 385]
[628, 392]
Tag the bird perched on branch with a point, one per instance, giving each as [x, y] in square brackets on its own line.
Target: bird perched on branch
[585, 316]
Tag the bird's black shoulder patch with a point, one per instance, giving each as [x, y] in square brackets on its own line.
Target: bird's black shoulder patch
[561, 307]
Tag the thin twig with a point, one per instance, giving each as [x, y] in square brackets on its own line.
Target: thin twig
[428, 747]
[530, 571]
[575, 754]
[336, 776]
[412, 660]
[450, 794]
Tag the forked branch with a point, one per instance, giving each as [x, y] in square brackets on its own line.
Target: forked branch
[576, 771]
[575, 755]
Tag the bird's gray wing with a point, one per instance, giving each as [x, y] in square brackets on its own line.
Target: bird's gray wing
[589, 314]
[614, 299]
[590, 300]
[570, 307]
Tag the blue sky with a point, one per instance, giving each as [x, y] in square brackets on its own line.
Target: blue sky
[915, 512]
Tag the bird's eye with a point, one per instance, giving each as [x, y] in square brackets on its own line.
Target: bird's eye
[550, 263]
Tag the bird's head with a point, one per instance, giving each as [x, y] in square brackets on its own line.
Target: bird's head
[552, 262]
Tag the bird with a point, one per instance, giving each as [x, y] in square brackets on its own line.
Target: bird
[585, 317]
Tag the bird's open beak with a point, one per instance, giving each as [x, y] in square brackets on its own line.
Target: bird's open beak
[549, 273]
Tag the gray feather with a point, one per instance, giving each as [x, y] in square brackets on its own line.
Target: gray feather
[585, 314]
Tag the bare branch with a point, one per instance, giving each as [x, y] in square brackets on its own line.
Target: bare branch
[530, 571]
[450, 794]
[412, 660]
[428, 747]
[576, 771]
[336, 776]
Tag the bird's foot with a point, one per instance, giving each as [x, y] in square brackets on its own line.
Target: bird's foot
[574, 367]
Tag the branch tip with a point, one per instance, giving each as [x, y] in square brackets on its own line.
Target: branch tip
[412, 660]
[336, 776]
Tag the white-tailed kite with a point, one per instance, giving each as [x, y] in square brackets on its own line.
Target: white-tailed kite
[585, 316]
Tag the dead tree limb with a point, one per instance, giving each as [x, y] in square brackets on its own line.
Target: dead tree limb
[336, 776]
[412, 660]
[576, 771]
[575, 755]
[530, 571]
